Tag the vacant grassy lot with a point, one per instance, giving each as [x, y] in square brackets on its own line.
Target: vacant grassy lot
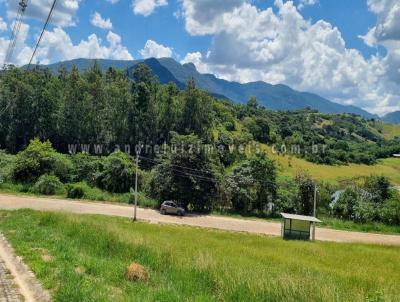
[83, 258]
[390, 131]
[290, 165]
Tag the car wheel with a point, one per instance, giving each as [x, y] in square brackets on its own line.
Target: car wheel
[163, 212]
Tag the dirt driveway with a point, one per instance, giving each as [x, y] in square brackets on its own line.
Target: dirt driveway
[11, 202]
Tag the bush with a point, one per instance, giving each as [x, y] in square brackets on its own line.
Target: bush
[87, 168]
[7, 164]
[62, 167]
[39, 159]
[48, 185]
[119, 173]
[378, 186]
[390, 211]
[76, 191]
[287, 196]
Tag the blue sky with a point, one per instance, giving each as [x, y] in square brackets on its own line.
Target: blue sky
[347, 51]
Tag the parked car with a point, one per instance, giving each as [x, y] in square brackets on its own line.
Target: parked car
[170, 207]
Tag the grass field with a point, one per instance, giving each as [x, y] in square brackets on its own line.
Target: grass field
[391, 131]
[290, 165]
[83, 258]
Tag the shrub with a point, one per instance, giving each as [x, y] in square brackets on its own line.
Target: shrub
[7, 163]
[119, 173]
[287, 195]
[48, 185]
[39, 159]
[86, 168]
[76, 191]
[390, 211]
[62, 167]
[378, 186]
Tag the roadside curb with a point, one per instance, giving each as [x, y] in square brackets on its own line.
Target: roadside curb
[25, 279]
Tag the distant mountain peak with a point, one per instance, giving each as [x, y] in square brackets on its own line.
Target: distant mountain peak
[393, 117]
[275, 97]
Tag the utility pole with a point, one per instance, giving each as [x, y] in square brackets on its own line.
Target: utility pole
[136, 189]
[315, 200]
[315, 210]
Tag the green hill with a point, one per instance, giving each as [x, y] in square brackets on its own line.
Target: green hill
[393, 117]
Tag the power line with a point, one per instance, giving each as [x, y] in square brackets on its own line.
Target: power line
[43, 30]
[185, 173]
[22, 5]
[191, 169]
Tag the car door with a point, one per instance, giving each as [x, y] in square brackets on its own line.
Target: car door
[169, 208]
[173, 208]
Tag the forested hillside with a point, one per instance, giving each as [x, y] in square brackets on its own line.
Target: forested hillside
[205, 153]
[108, 109]
[276, 97]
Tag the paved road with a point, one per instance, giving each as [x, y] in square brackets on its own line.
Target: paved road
[11, 202]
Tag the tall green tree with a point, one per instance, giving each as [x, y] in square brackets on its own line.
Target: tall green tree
[197, 115]
[72, 118]
[95, 105]
[185, 174]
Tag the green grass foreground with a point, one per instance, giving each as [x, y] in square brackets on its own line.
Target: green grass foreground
[83, 258]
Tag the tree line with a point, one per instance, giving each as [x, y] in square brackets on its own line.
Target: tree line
[41, 113]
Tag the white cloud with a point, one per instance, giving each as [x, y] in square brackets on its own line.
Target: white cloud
[64, 13]
[58, 46]
[388, 25]
[22, 52]
[154, 50]
[147, 7]
[206, 16]
[196, 58]
[98, 21]
[112, 1]
[304, 3]
[250, 44]
[3, 25]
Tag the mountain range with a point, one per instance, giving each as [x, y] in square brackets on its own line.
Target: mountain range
[393, 117]
[275, 97]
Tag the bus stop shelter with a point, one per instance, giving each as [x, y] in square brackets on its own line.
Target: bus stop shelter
[298, 226]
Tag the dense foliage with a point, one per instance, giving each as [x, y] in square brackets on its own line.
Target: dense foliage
[373, 200]
[101, 110]
[204, 153]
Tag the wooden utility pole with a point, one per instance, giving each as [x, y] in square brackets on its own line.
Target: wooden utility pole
[136, 189]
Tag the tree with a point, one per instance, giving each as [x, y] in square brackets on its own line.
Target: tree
[196, 114]
[252, 185]
[379, 187]
[72, 126]
[185, 175]
[252, 104]
[119, 173]
[259, 128]
[39, 159]
[143, 74]
[168, 110]
[306, 187]
[95, 105]
[118, 107]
